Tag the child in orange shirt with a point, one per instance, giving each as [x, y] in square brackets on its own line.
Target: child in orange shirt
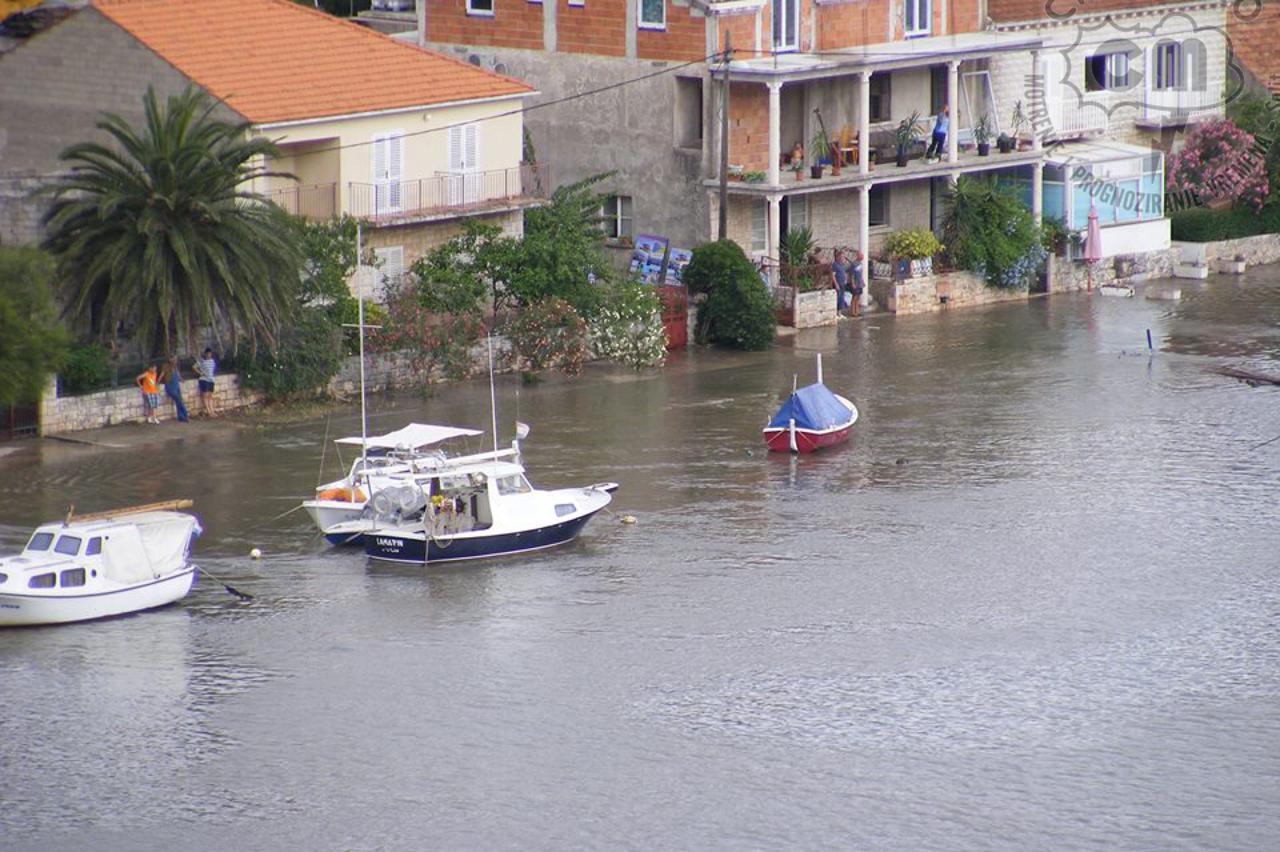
[146, 380]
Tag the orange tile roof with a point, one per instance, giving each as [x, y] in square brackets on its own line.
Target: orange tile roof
[274, 60]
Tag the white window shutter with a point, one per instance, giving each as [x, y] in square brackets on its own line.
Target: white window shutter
[472, 153]
[455, 149]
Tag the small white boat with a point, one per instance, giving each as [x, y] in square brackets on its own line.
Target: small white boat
[404, 451]
[96, 566]
[473, 508]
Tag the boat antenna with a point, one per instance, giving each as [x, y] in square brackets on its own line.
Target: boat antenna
[493, 397]
[360, 326]
[364, 418]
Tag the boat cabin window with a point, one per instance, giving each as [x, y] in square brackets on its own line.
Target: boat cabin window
[43, 581]
[514, 484]
[94, 547]
[40, 541]
[3, 577]
[68, 545]
[563, 509]
[72, 577]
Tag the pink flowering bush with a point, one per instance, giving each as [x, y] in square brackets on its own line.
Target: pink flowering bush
[1220, 162]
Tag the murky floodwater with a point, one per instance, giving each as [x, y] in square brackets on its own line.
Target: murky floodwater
[1054, 624]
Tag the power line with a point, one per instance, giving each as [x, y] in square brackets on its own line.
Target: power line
[523, 110]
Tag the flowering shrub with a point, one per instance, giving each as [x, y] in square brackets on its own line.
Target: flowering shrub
[547, 335]
[912, 244]
[1220, 162]
[628, 328]
[433, 342]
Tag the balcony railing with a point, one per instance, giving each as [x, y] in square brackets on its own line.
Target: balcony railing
[1172, 106]
[448, 192]
[315, 202]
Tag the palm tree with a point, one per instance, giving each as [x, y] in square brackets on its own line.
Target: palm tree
[159, 230]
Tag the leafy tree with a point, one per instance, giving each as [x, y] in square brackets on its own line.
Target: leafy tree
[452, 276]
[990, 232]
[738, 310]
[563, 249]
[158, 231]
[561, 253]
[548, 335]
[32, 341]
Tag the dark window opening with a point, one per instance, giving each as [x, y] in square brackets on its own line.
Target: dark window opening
[880, 91]
[72, 577]
[43, 581]
[878, 206]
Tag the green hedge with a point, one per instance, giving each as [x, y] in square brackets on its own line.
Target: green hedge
[1202, 225]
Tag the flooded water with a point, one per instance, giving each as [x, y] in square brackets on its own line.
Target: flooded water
[1034, 604]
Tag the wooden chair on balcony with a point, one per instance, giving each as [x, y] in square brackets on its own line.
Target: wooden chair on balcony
[848, 142]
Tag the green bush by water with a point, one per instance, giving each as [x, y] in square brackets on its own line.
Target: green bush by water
[738, 311]
[1202, 225]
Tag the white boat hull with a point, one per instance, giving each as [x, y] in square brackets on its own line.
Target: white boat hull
[330, 513]
[59, 607]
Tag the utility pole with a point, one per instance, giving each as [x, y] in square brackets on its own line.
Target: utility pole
[724, 138]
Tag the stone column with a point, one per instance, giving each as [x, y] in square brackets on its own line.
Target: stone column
[953, 99]
[864, 122]
[775, 236]
[864, 239]
[775, 131]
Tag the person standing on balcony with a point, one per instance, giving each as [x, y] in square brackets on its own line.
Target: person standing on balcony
[941, 124]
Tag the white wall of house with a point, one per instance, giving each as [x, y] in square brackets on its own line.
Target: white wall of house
[424, 141]
[1067, 52]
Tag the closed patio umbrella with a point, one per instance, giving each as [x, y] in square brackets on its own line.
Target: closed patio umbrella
[1092, 243]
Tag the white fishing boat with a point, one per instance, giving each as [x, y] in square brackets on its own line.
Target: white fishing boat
[408, 450]
[95, 566]
[475, 507]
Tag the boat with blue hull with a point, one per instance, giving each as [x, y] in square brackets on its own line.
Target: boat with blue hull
[472, 507]
[393, 546]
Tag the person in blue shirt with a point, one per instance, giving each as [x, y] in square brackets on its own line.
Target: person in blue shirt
[940, 126]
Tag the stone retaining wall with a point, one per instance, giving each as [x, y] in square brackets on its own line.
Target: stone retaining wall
[935, 292]
[59, 414]
[1066, 276]
[815, 308]
[1263, 248]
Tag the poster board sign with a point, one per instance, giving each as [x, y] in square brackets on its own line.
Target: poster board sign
[648, 256]
[677, 260]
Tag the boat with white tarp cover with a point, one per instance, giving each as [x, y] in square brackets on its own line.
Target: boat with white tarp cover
[99, 565]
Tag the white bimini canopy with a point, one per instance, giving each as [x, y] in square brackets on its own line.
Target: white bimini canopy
[413, 436]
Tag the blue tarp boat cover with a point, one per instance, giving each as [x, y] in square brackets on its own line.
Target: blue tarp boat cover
[813, 407]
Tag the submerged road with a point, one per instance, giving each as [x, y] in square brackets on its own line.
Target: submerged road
[1033, 605]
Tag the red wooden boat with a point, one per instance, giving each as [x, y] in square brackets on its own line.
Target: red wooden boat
[812, 418]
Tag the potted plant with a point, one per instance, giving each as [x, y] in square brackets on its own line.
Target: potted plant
[982, 135]
[819, 150]
[912, 251]
[735, 172]
[1005, 143]
[1017, 121]
[754, 177]
[908, 130]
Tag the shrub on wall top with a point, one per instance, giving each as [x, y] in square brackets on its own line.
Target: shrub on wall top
[738, 311]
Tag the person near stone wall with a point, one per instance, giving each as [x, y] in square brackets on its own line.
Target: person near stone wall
[206, 367]
[146, 382]
[171, 378]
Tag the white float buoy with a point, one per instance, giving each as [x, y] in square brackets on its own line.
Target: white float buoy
[255, 554]
[628, 519]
